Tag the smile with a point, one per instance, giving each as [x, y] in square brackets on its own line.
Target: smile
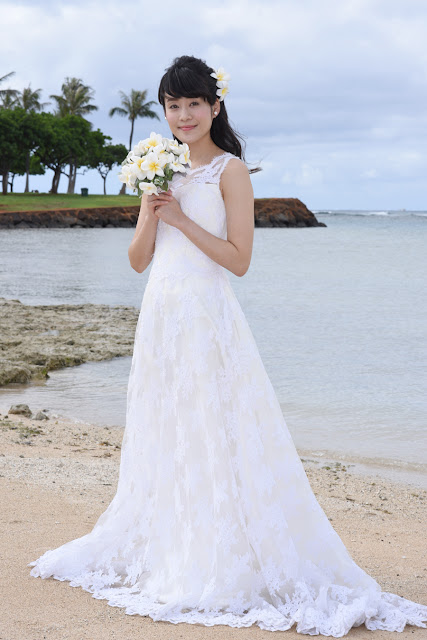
[187, 128]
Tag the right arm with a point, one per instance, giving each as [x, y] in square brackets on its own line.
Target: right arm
[141, 249]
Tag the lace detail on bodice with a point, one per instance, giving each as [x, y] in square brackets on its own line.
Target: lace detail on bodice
[207, 173]
[199, 195]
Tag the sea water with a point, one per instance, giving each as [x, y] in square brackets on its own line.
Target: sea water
[338, 313]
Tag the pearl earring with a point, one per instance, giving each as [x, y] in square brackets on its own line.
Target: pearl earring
[214, 112]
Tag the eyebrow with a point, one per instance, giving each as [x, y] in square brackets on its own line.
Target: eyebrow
[170, 99]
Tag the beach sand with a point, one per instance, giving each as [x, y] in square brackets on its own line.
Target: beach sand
[56, 479]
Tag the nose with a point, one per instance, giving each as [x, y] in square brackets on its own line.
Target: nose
[185, 114]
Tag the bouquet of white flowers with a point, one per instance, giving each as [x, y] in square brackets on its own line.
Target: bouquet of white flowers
[152, 163]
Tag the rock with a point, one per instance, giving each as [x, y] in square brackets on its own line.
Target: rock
[14, 371]
[93, 217]
[269, 212]
[36, 339]
[41, 416]
[284, 212]
[21, 410]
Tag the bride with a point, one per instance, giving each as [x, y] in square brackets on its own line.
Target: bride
[214, 520]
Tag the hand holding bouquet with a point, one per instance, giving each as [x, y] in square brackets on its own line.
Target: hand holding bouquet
[151, 164]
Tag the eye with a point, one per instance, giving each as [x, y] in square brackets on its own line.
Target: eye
[171, 106]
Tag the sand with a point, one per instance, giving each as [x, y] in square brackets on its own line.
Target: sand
[57, 477]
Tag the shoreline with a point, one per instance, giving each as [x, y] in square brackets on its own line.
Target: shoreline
[268, 212]
[36, 339]
[396, 471]
[57, 477]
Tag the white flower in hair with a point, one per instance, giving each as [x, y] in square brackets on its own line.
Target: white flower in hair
[222, 78]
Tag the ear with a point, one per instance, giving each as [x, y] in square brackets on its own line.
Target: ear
[216, 107]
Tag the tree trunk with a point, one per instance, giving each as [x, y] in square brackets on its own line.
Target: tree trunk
[55, 180]
[105, 184]
[131, 136]
[5, 180]
[123, 189]
[70, 179]
[27, 173]
[74, 176]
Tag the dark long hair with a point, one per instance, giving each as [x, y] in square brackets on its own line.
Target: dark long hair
[190, 77]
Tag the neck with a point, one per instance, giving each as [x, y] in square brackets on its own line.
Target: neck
[202, 151]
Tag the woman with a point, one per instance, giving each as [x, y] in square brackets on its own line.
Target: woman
[214, 520]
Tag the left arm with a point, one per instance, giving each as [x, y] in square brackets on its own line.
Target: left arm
[234, 253]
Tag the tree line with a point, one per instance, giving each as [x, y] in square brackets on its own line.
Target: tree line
[33, 140]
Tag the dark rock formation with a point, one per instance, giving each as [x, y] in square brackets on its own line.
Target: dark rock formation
[269, 212]
[284, 212]
[91, 217]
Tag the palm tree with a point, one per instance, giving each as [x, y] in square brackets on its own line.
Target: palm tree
[134, 106]
[30, 101]
[74, 100]
[8, 96]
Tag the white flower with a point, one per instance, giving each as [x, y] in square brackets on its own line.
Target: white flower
[164, 157]
[153, 165]
[184, 157]
[174, 147]
[127, 176]
[139, 149]
[136, 162]
[222, 92]
[183, 147]
[176, 165]
[221, 75]
[154, 140]
[148, 188]
[222, 78]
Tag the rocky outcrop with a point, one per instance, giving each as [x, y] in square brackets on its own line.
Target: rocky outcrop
[63, 218]
[284, 212]
[269, 212]
[37, 339]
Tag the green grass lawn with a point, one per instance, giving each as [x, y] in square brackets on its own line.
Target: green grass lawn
[46, 201]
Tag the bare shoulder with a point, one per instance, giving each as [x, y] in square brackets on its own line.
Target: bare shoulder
[234, 173]
[235, 166]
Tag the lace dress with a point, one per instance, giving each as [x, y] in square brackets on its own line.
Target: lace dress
[214, 520]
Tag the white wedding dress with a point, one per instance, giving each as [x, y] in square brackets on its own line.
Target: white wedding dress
[214, 520]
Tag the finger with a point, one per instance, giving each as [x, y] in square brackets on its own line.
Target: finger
[158, 200]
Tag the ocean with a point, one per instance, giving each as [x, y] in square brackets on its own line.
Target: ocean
[339, 315]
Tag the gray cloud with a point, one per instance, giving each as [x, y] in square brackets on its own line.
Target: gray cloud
[331, 96]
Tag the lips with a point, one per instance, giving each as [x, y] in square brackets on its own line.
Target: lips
[187, 128]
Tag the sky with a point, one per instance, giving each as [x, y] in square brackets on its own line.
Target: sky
[331, 95]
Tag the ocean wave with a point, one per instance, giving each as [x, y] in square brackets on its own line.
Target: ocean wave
[391, 214]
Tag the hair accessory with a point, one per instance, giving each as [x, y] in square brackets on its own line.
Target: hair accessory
[222, 78]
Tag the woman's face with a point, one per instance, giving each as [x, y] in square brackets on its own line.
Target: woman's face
[189, 119]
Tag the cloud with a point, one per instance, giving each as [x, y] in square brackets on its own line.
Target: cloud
[305, 176]
[330, 95]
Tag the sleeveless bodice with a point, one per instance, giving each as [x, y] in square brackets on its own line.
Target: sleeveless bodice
[199, 196]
